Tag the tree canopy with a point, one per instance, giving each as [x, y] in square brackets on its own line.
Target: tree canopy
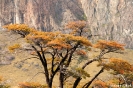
[63, 47]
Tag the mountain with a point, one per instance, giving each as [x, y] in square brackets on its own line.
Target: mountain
[110, 19]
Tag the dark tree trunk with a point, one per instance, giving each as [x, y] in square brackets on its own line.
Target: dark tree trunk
[50, 83]
[61, 78]
[77, 82]
[89, 83]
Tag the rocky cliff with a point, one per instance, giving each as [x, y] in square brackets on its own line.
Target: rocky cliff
[41, 14]
[111, 19]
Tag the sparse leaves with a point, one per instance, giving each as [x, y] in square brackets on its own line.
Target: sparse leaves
[109, 45]
[31, 85]
[13, 47]
[100, 84]
[58, 43]
[21, 29]
[76, 25]
[119, 66]
[81, 52]
[78, 72]
[82, 72]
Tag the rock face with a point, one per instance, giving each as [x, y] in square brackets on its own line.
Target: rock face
[111, 19]
[46, 15]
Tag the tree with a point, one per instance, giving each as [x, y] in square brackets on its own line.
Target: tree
[62, 49]
[123, 70]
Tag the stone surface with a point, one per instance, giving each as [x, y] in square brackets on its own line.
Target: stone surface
[111, 19]
[6, 60]
[41, 14]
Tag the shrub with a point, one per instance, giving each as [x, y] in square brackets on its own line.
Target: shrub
[31, 85]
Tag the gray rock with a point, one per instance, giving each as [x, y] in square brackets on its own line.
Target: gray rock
[10, 58]
[18, 65]
[25, 69]
[6, 60]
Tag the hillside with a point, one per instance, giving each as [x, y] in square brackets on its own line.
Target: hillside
[14, 71]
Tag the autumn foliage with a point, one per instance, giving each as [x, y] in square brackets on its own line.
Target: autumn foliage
[13, 47]
[31, 85]
[62, 48]
[21, 29]
[109, 45]
[100, 84]
[121, 67]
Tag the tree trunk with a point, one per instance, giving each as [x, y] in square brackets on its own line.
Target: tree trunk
[61, 78]
[50, 83]
[77, 82]
[89, 83]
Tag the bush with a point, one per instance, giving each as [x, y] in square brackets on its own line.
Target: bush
[31, 85]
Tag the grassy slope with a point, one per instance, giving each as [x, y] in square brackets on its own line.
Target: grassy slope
[14, 75]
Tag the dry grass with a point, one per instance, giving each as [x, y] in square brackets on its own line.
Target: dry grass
[15, 74]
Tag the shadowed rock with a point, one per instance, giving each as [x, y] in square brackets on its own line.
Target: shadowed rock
[6, 60]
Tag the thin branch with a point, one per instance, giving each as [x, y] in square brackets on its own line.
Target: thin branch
[71, 53]
[96, 59]
[89, 83]
[89, 36]
[43, 63]
[62, 61]
[86, 64]
[89, 63]
[80, 32]
[52, 64]
[35, 75]
[48, 53]
[123, 78]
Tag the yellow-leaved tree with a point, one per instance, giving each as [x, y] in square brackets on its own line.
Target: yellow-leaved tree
[62, 48]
